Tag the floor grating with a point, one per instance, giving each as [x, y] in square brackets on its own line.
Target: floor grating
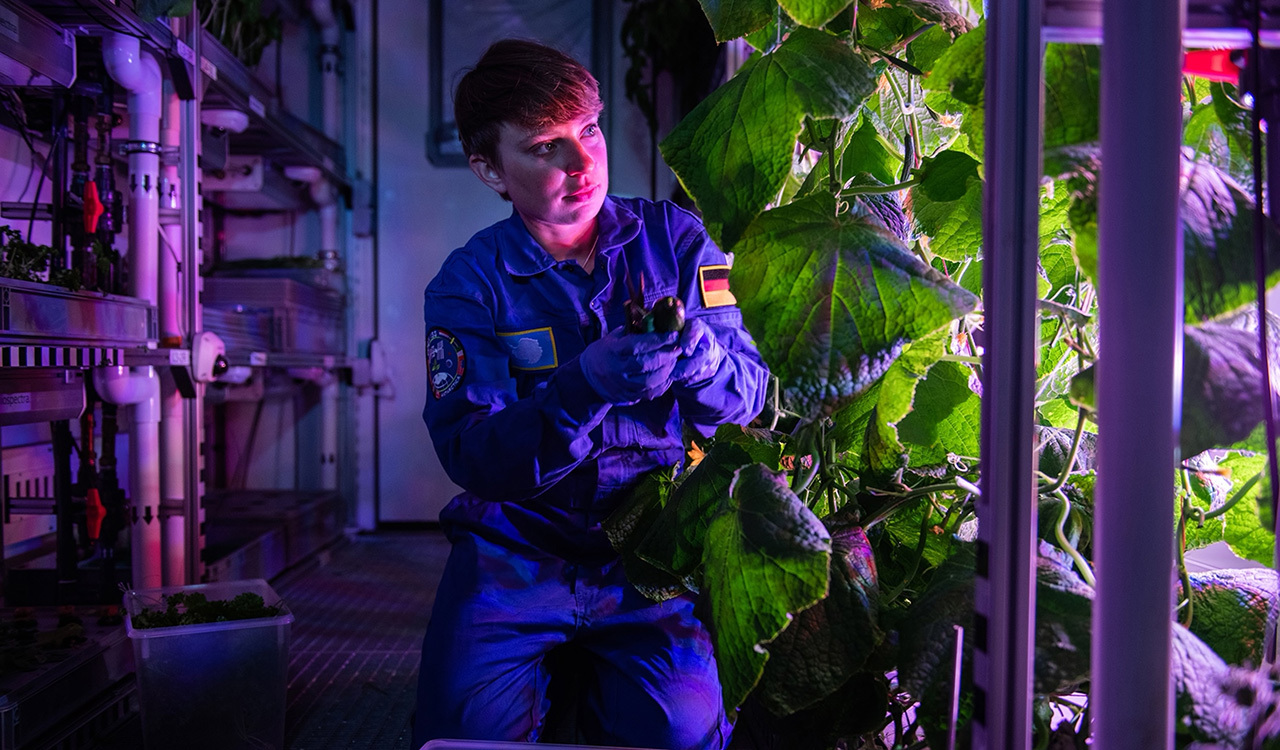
[359, 616]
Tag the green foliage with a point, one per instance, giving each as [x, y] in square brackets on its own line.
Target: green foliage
[150, 10]
[194, 608]
[28, 261]
[1231, 609]
[766, 548]
[733, 151]
[831, 543]
[832, 299]
[242, 27]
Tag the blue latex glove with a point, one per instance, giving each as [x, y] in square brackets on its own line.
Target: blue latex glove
[701, 355]
[626, 368]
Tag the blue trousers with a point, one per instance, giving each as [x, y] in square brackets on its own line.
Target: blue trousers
[498, 613]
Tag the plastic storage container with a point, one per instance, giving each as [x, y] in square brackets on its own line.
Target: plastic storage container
[220, 685]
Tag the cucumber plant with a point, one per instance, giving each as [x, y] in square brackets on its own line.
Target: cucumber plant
[831, 542]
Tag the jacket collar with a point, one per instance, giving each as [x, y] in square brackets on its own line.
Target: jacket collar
[522, 255]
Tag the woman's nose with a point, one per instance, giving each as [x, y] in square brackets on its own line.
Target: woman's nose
[580, 159]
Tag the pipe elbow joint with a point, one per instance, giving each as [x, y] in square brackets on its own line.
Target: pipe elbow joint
[124, 386]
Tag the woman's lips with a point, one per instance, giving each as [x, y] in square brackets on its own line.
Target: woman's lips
[582, 194]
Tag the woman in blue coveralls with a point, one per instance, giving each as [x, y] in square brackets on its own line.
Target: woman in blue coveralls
[547, 411]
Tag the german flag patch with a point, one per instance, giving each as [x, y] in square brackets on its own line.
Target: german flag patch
[714, 281]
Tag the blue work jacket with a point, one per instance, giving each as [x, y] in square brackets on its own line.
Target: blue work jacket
[540, 456]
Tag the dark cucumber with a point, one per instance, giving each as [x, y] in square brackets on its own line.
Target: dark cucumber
[666, 316]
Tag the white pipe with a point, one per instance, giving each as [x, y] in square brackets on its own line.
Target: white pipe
[139, 74]
[173, 486]
[173, 425]
[170, 298]
[329, 435]
[139, 387]
[1140, 299]
[330, 38]
[323, 194]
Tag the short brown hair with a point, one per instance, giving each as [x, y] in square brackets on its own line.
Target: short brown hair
[524, 83]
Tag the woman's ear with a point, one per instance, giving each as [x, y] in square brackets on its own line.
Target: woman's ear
[488, 174]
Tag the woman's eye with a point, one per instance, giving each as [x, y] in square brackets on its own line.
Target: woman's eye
[591, 129]
[545, 147]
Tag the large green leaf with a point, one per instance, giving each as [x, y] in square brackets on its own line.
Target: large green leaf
[944, 417]
[953, 227]
[1223, 393]
[1206, 713]
[626, 528]
[831, 300]
[733, 152]
[767, 557]
[731, 19]
[1064, 605]
[884, 452]
[961, 71]
[885, 27]
[1242, 526]
[676, 537]
[947, 176]
[813, 13]
[928, 637]
[940, 12]
[865, 152]
[1217, 222]
[1072, 84]
[830, 641]
[1230, 611]
[1246, 532]
[1217, 218]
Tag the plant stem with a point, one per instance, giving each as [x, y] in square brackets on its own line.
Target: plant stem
[1075, 316]
[833, 180]
[1082, 565]
[1071, 456]
[1235, 498]
[879, 189]
[903, 497]
[913, 36]
[1187, 605]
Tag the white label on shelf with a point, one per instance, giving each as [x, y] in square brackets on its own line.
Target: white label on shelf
[209, 68]
[179, 357]
[9, 23]
[257, 106]
[257, 359]
[11, 402]
[184, 51]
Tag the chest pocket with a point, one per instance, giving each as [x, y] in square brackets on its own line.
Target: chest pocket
[535, 353]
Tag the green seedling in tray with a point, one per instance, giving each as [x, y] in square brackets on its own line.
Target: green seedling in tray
[193, 608]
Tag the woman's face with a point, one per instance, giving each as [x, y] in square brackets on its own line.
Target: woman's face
[556, 176]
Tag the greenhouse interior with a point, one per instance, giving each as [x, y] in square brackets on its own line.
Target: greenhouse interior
[770, 392]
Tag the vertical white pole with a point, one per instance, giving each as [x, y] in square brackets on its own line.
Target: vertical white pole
[1140, 309]
[1005, 578]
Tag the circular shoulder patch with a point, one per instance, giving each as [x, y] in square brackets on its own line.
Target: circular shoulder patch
[446, 362]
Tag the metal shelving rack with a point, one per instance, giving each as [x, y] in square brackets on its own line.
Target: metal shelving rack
[1140, 287]
[51, 338]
